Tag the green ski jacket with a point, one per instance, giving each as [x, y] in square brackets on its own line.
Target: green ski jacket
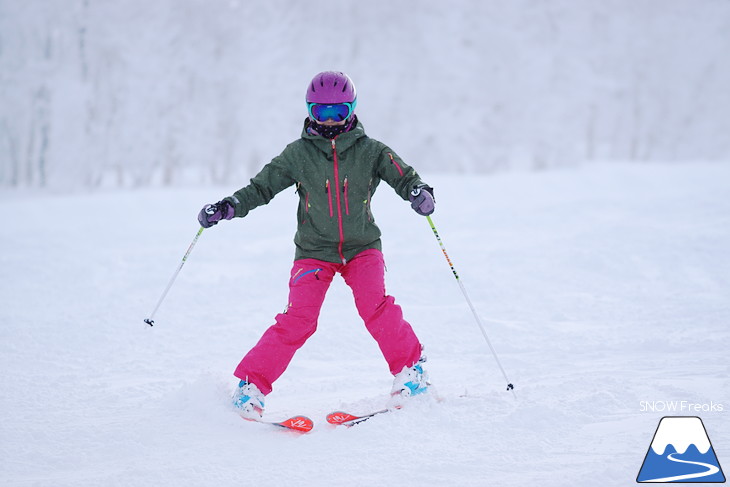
[335, 180]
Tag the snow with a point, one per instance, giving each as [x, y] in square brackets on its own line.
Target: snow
[600, 287]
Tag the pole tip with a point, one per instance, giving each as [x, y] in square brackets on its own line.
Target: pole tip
[149, 322]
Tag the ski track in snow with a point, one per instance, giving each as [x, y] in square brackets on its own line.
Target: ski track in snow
[599, 287]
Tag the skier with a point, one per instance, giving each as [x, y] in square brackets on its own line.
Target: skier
[335, 168]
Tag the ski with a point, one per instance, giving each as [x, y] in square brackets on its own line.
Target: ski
[300, 424]
[340, 418]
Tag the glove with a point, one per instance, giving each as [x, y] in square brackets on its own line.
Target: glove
[211, 214]
[422, 200]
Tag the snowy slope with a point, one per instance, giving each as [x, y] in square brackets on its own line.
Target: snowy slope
[600, 287]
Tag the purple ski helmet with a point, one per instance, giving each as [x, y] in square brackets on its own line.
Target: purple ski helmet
[332, 87]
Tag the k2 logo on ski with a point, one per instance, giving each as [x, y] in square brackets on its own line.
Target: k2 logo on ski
[681, 452]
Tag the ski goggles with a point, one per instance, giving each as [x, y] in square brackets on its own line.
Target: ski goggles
[321, 112]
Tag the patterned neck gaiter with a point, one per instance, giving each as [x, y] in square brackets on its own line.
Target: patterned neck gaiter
[331, 131]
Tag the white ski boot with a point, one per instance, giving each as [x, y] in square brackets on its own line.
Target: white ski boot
[249, 401]
[410, 381]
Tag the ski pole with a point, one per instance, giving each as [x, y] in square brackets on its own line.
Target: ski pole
[510, 387]
[149, 320]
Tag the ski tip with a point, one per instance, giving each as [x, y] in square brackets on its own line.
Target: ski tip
[339, 417]
[298, 423]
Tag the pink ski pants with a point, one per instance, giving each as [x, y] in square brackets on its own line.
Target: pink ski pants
[310, 279]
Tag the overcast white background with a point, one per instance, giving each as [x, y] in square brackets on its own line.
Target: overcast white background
[130, 93]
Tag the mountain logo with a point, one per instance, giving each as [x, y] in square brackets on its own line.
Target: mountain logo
[681, 452]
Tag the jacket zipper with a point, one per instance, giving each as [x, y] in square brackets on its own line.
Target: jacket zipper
[329, 197]
[306, 207]
[397, 166]
[339, 203]
[347, 201]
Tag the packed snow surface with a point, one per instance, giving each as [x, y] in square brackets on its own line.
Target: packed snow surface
[603, 289]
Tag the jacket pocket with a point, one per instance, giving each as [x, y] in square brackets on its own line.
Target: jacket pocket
[367, 201]
[304, 215]
[328, 190]
[395, 163]
[347, 202]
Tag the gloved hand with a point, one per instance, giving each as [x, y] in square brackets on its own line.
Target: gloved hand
[211, 214]
[422, 200]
